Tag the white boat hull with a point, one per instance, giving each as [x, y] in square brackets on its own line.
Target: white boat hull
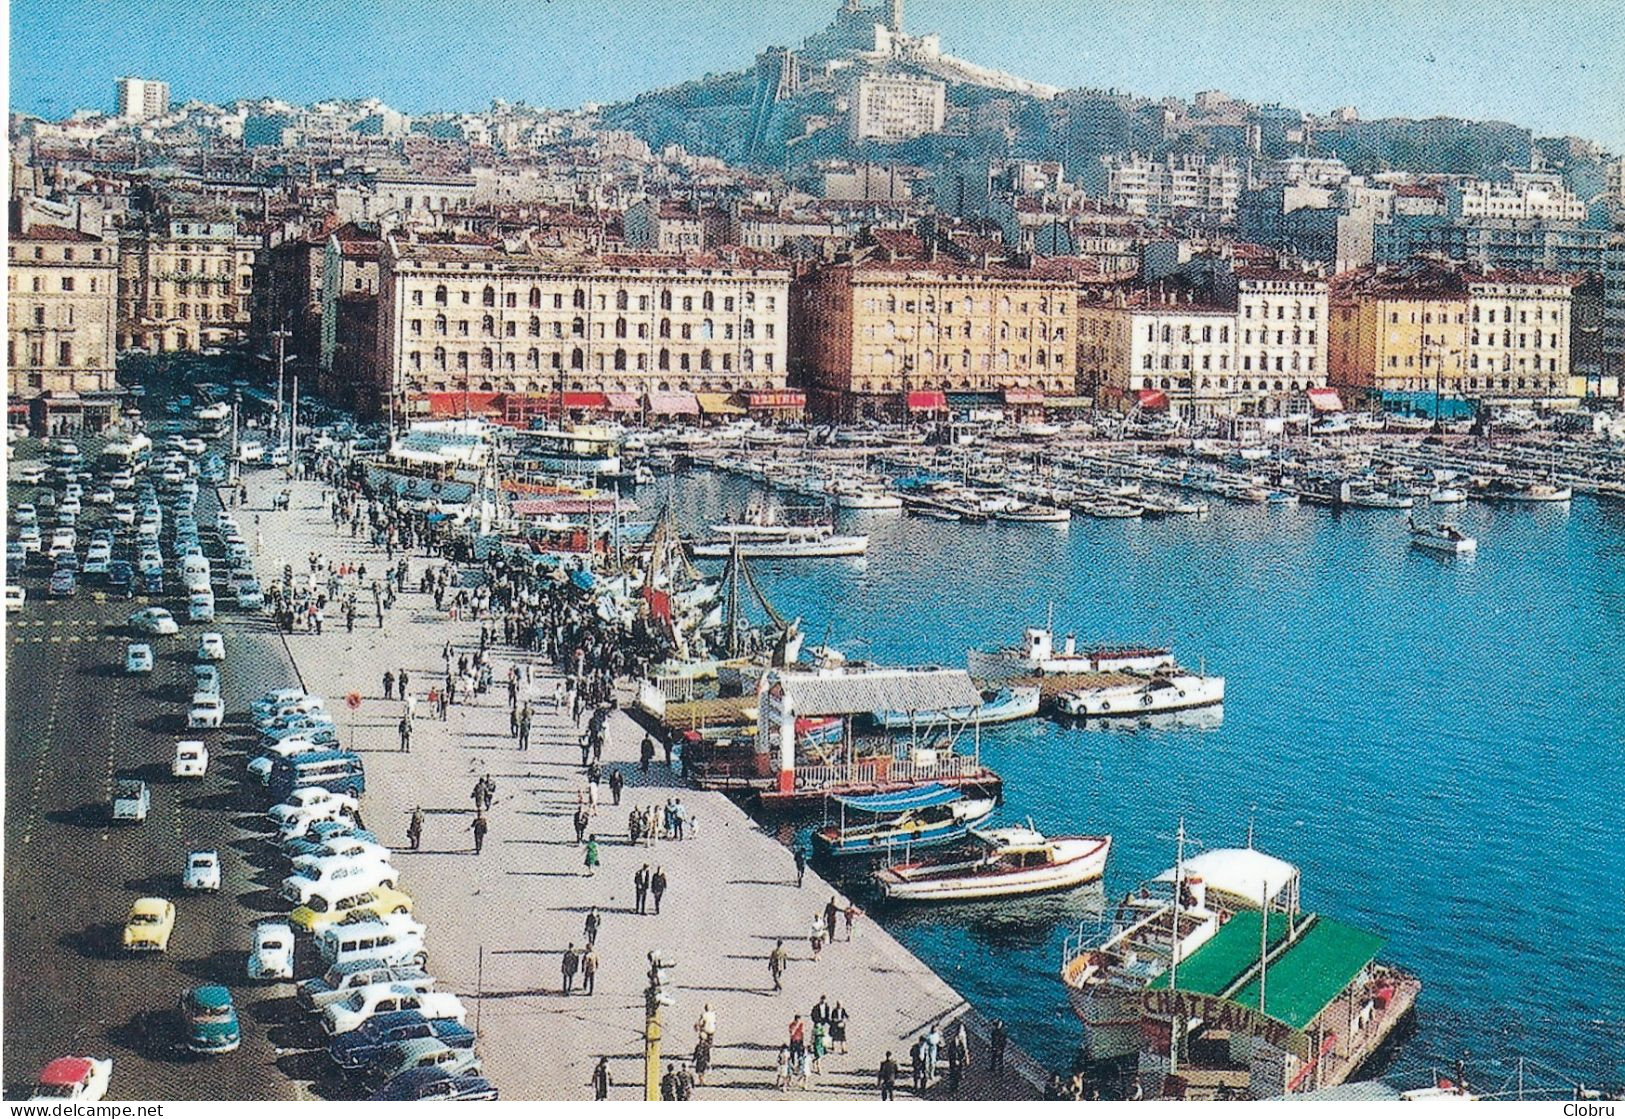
[868, 502]
[1175, 693]
[826, 548]
[1078, 861]
[1445, 547]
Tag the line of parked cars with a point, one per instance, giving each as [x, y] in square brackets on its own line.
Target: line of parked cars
[385, 1023]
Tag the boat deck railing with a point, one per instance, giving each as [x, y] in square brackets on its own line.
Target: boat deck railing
[867, 771]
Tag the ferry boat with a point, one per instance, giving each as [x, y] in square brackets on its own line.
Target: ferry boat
[923, 816]
[1107, 968]
[1442, 537]
[1037, 656]
[1167, 691]
[1008, 862]
[999, 705]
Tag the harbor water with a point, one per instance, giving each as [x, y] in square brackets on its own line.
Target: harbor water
[1435, 742]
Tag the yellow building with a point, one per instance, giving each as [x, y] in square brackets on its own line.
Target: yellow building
[878, 337]
[1398, 331]
[185, 283]
[60, 312]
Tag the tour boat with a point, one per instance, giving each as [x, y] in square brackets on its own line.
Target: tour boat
[1008, 862]
[797, 544]
[1034, 514]
[1037, 656]
[1169, 691]
[1000, 705]
[1442, 537]
[924, 816]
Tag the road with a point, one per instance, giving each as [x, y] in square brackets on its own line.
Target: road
[75, 720]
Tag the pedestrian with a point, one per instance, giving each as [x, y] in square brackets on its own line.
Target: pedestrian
[798, 1041]
[801, 864]
[406, 735]
[668, 1084]
[616, 783]
[781, 1075]
[513, 722]
[581, 821]
[601, 1080]
[816, 937]
[400, 679]
[414, 828]
[685, 1083]
[646, 754]
[706, 1026]
[851, 913]
[887, 1077]
[389, 684]
[640, 887]
[592, 923]
[916, 1063]
[837, 1027]
[997, 1039]
[665, 741]
[657, 887]
[933, 1051]
[777, 961]
[831, 911]
[490, 791]
[955, 1064]
[479, 828]
[589, 969]
[702, 1060]
[591, 861]
[568, 966]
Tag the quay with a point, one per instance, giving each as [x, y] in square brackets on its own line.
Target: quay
[500, 921]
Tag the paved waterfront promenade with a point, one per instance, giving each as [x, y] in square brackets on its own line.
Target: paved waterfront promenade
[732, 889]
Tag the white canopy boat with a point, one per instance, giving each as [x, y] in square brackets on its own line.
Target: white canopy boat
[1011, 862]
[1171, 691]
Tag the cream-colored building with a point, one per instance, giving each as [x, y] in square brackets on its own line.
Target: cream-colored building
[1161, 351]
[1518, 337]
[60, 312]
[477, 318]
[185, 283]
[891, 108]
[1281, 319]
[873, 336]
[141, 98]
[1527, 197]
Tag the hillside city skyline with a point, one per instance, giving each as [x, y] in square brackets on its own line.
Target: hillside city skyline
[1555, 81]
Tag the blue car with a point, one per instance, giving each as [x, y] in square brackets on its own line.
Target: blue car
[436, 1084]
[360, 1047]
[150, 583]
[120, 577]
[209, 1020]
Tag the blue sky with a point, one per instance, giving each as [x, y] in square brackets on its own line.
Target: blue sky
[1557, 66]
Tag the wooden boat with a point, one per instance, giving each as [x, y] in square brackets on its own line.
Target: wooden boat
[1009, 862]
[924, 816]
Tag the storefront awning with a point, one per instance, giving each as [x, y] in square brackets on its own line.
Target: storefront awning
[621, 401]
[459, 403]
[784, 399]
[1023, 396]
[719, 404]
[927, 402]
[1325, 400]
[1152, 400]
[585, 400]
[674, 404]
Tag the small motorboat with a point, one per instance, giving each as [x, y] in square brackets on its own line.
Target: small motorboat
[1034, 515]
[1368, 496]
[1530, 492]
[1006, 862]
[1001, 705]
[924, 816]
[934, 513]
[1110, 510]
[1447, 495]
[1442, 537]
[1174, 691]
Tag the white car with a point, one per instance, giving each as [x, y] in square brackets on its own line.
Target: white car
[312, 802]
[74, 1079]
[138, 658]
[202, 871]
[154, 620]
[272, 954]
[205, 713]
[191, 759]
[200, 607]
[71, 504]
[63, 540]
[124, 513]
[192, 445]
[211, 647]
[313, 874]
[29, 473]
[385, 998]
[15, 597]
[31, 539]
[25, 515]
[395, 938]
[102, 495]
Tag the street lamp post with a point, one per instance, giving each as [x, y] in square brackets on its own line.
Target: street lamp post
[654, 997]
[281, 335]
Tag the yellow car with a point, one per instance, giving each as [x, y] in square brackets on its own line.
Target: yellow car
[363, 905]
[149, 926]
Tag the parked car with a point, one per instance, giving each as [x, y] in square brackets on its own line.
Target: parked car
[422, 1052]
[202, 871]
[131, 801]
[15, 597]
[315, 802]
[392, 939]
[138, 657]
[209, 1020]
[149, 926]
[207, 712]
[342, 980]
[320, 841]
[271, 957]
[75, 1079]
[435, 1084]
[313, 874]
[382, 998]
[361, 1046]
[211, 646]
[322, 912]
[63, 584]
[154, 620]
[206, 679]
[191, 759]
[200, 608]
[120, 576]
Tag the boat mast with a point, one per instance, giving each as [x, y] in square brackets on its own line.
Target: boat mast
[1173, 949]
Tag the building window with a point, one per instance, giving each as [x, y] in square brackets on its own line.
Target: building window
[462, 362]
[664, 360]
[620, 359]
[440, 357]
[577, 359]
[620, 324]
[440, 295]
[620, 300]
[488, 326]
[578, 327]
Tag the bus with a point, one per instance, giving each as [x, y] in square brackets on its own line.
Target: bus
[338, 771]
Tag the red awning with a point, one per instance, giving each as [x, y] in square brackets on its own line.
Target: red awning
[674, 404]
[621, 401]
[1325, 400]
[585, 400]
[931, 401]
[1023, 396]
[453, 404]
[787, 398]
[1152, 400]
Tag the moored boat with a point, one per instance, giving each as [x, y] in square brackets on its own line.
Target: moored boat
[1034, 515]
[1529, 492]
[1007, 862]
[1442, 537]
[1000, 705]
[797, 544]
[1166, 691]
[1037, 656]
[924, 816]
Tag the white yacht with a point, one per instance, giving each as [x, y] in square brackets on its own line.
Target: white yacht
[1166, 691]
[863, 497]
[1037, 656]
[1442, 537]
[816, 542]
[1009, 862]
